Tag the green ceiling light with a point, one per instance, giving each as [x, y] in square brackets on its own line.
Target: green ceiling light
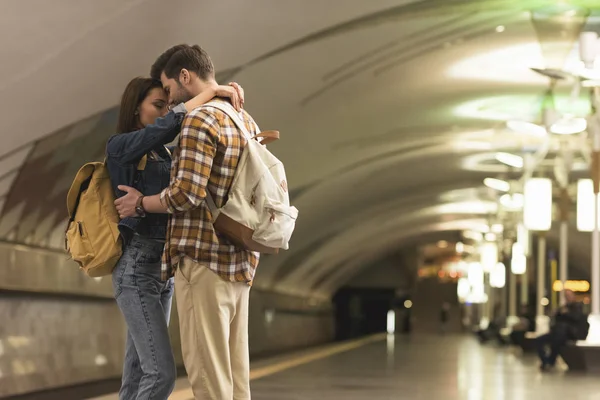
[558, 27]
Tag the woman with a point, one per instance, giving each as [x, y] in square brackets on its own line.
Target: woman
[144, 128]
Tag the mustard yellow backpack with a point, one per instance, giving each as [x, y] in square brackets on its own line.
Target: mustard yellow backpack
[92, 236]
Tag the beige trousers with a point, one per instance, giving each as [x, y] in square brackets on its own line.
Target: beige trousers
[213, 319]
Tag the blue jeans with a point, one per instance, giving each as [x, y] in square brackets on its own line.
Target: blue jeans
[149, 370]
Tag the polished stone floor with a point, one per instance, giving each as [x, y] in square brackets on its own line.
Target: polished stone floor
[428, 368]
[421, 367]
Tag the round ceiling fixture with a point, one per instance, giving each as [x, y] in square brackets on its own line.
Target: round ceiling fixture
[569, 125]
[512, 160]
[497, 184]
[512, 202]
[526, 128]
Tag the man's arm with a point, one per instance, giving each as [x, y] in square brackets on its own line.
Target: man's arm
[197, 147]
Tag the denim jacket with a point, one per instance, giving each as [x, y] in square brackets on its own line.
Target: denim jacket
[123, 154]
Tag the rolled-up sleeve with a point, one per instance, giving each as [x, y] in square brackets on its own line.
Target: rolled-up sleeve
[197, 147]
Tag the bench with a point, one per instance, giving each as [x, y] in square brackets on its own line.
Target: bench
[528, 344]
[581, 356]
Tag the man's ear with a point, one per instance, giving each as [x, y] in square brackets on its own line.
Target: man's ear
[184, 76]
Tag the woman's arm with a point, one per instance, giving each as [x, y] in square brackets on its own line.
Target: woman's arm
[131, 147]
[233, 91]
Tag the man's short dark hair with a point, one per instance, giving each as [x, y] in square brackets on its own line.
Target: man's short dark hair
[193, 58]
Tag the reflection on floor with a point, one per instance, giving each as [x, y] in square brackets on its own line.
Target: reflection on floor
[419, 367]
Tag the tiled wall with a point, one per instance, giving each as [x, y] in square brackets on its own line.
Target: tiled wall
[58, 327]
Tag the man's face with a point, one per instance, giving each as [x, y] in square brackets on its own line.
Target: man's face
[569, 296]
[175, 90]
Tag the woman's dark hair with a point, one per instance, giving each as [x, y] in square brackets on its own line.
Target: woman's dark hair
[134, 94]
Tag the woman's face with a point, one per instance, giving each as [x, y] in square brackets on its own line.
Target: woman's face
[153, 106]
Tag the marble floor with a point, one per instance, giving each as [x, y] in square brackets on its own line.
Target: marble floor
[418, 367]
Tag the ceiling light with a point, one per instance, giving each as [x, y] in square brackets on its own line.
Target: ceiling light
[498, 276]
[473, 235]
[512, 202]
[500, 28]
[497, 184]
[488, 255]
[459, 247]
[569, 125]
[442, 244]
[518, 261]
[526, 128]
[589, 47]
[510, 159]
[490, 237]
[497, 228]
[591, 83]
[537, 204]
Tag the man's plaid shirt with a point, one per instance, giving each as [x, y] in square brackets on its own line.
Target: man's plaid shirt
[210, 146]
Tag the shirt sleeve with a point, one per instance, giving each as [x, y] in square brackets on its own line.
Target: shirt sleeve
[131, 147]
[197, 147]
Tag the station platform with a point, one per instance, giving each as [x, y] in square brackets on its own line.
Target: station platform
[383, 367]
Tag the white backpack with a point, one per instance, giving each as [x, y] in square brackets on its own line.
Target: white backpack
[257, 215]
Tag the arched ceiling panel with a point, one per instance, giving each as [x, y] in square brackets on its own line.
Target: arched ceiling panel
[390, 111]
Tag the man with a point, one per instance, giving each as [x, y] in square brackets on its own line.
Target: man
[212, 276]
[569, 323]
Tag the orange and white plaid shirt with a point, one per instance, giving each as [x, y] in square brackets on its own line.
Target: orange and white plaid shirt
[210, 146]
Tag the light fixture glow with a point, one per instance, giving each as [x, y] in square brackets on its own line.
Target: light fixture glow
[475, 276]
[498, 276]
[463, 289]
[591, 83]
[518, 261]
[490, 237]
[585, 205]
[497, 184]
[468, 207]
[526, 128]
[523, 238]
[569, 126]
[511, 160]
[589, 47]
[391, 322]
[442, 244]
[488, 256]
[408, 304]
[512, 202]
[537, 207]
[473, 235]
[459, 247]
[497, 228]
[544, 302]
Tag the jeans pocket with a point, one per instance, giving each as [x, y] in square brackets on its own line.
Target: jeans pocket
[149, 257]
[127, 260]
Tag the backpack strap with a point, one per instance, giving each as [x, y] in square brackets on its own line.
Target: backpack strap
[266, 136]
[142, 164]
